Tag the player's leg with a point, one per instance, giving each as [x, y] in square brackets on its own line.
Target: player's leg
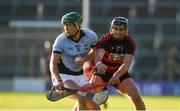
[128, 87]
[83, 81]
[89, 103]
[87, 67]
[75, 106]
[81, 105]
[70, 81]
[96, 80]
[105, 105]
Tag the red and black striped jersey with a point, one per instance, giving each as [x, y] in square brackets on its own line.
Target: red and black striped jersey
[115, 50]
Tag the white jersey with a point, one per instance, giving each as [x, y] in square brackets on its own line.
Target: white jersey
[71, 49]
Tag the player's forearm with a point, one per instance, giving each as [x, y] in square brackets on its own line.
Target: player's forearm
[55, 72]
[99, 55]
[53, 66]
[122, 70]
[125, 66]
[90, 56]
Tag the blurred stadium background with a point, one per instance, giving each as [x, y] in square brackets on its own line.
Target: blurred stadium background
[154, 24]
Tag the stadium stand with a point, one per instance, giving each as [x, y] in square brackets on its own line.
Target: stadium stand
[154, 24]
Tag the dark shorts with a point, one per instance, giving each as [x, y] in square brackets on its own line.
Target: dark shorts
[106, 77]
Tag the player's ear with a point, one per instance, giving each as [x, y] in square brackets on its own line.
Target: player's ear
[126, 31]
[78, 24]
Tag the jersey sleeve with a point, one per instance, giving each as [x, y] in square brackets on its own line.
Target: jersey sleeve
[103, 45]
[102, 41]
[94, 39]
[131, 47]
[57, 46]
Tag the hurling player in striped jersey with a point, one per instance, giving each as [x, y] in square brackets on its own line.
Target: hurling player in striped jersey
[114, 57]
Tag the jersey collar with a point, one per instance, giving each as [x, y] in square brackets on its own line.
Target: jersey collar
[82, 34]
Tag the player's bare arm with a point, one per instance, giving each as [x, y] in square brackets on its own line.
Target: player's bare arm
[122, 69]
[90, 55]
[54, 70]
[99, 65]
[87, 57]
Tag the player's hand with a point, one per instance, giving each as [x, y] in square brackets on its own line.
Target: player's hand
[79, 60]
[59, 86]
[114, 80]
[101, 68]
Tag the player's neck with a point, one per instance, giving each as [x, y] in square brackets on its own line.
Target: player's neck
[77, 36]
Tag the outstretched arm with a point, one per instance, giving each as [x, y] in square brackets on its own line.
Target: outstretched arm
[99, 65]
[122, 69]
[90, 56]
[53, 68]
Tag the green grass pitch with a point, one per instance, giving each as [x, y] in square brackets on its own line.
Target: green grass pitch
[37, 101]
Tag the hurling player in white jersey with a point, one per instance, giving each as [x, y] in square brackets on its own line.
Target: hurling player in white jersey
[70, 50]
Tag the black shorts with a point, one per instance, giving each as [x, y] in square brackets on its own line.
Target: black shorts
[107, 76]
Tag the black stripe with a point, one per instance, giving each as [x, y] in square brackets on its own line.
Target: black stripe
[57, 52]
[110, 63]
[64, 70]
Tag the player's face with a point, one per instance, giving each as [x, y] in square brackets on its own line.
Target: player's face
[118, 31]
[70, 29]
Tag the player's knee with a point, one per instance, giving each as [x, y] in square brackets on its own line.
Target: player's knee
[81, 99]
[92, 105]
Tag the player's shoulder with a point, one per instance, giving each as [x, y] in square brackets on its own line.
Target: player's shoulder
[103, 40]
[89, 31]
[61, 36]
[105, 37]
[129, 38]
[131, 41]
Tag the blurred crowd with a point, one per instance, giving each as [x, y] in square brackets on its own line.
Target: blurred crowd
[169, 68]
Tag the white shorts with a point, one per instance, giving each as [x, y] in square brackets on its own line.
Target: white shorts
[80, 80]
